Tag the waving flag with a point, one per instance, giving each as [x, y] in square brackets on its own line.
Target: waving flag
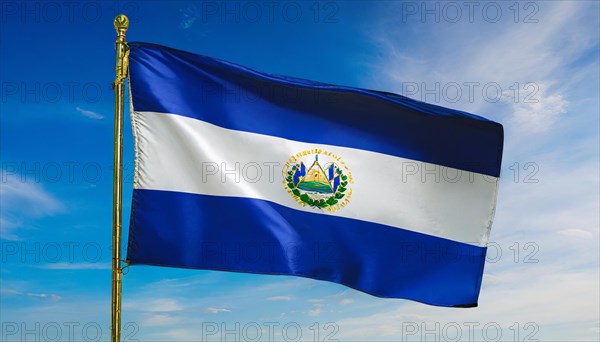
[243, 171]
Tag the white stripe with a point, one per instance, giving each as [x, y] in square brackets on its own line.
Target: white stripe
[174, 153]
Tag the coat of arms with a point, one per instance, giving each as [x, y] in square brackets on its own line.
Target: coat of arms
[318, 179]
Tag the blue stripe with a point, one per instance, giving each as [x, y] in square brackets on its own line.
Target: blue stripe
[171, 81]
[256, 236]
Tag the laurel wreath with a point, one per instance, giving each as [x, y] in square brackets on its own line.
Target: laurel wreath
[322, 203]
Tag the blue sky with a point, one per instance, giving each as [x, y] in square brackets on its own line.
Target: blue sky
[533, 66]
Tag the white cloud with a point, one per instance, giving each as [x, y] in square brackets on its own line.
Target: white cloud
[23, 199]
[316, 310]
[180, 334]
[279, 298]
[176, 284]
[216, 310]
[77, 266]
[538, 113]
[152, 305]
[152, 320]
[577, 233]
[346, 301]
[26, 195]
[385, 324]
[90, 114]
[154, 312]
[7, 227]
[491, 280]
[165, 305]
[508, 56]
[51, 296]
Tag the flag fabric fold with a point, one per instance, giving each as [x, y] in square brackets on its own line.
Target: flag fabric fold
[243, 171]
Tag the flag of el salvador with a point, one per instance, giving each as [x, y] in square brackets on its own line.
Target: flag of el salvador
[243, 171]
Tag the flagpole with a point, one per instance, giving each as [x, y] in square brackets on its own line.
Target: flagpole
[121, 25]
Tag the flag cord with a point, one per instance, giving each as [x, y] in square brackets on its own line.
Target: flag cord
[121, 24]
[126, 267]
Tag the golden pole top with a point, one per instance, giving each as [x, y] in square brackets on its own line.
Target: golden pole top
[121, 24]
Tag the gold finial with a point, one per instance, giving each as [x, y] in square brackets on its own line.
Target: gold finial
[121, 23]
